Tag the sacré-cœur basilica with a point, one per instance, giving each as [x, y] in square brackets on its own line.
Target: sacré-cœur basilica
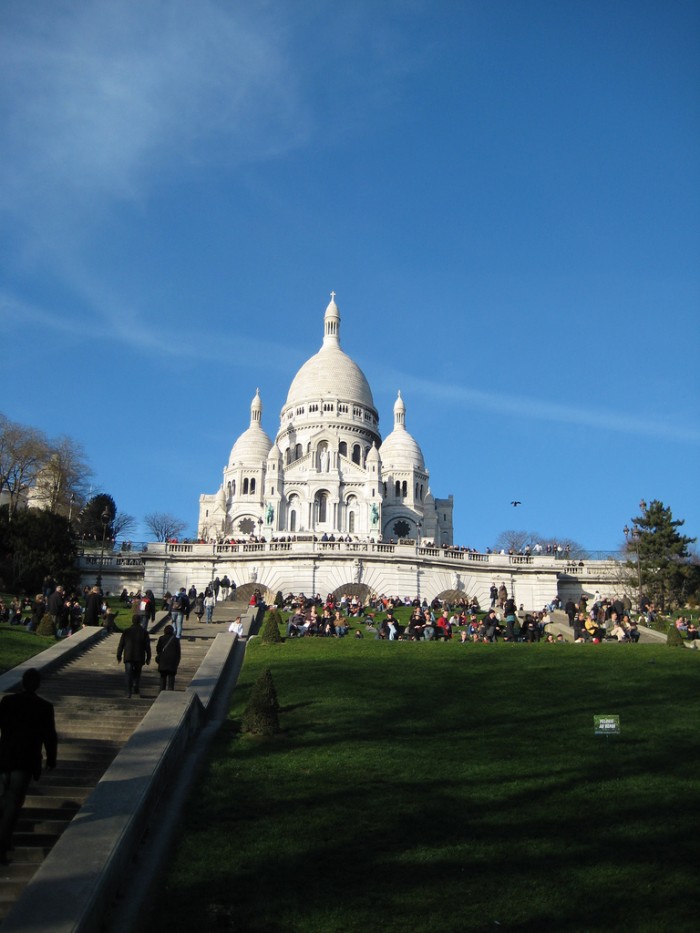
[329, 506]
[328, 472]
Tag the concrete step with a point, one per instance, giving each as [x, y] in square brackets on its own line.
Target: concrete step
[50, 790]
[41, 840]
[94, 719]
[36, 802]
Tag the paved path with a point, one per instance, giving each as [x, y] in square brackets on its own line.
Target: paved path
[94, 719]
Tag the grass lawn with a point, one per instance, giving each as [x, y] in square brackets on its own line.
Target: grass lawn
[17, 645]
[443, 787]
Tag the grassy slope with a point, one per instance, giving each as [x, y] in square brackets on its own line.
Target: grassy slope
[445, 787]
[17, 645]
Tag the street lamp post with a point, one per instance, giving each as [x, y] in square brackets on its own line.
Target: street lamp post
[105, 521]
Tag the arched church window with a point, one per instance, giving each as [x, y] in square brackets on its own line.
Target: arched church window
[293, 507]
[356, 453]
[245, 486]
[416, 490]
[233, 487]
[343, 448]
[298, 452]
[404, 488]
[252, 486]
[397, 489]
[321, 507]
[421, 492]
[288, 456]
[351, 522]
[386, 492]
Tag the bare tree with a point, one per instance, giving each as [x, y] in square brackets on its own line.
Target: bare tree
[64, 476]
[163, 525]
[23, 451]
[51, 475]
[123, 525]
[512, 540]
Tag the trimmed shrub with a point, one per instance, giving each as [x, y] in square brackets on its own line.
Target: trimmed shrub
[261, 715]
[674, 637]
[270, 632]
[46, 626]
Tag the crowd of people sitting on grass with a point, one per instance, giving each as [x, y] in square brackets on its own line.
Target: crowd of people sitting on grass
[606, 620]
[65, 611]
[435, 621]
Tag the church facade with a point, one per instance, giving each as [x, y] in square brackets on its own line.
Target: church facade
[330, 506]
[328, 473]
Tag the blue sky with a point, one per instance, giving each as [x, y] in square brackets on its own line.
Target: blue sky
[503, 194]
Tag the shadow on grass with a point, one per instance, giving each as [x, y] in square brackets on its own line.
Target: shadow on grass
[466, 793]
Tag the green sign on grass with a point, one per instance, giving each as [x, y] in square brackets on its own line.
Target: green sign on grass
[606, 725]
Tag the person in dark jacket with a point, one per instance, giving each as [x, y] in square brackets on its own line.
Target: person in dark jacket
[93, 607]
[135, 648]
[38, 610]
[26, 724]
[151, 614]
[168, 657]
[56, 609]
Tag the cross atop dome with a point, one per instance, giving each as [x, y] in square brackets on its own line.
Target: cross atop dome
[331, 324]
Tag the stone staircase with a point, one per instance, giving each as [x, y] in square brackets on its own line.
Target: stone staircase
[94, 719]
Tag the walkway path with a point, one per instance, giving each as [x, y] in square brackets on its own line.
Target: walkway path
[94, 720]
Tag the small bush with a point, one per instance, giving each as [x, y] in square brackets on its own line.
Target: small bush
[46, 626]
[270, 632]
[674, 637]
[261, 715]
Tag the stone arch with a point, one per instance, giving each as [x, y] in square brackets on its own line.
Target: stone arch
[246, 590]
[360, 590]
[453, 597]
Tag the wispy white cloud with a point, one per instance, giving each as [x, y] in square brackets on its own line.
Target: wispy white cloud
[530, 408]
[102, 102]
[93, 95]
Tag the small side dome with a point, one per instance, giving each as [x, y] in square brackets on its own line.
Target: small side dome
[253, 445]
[275, 455]
[400, 451]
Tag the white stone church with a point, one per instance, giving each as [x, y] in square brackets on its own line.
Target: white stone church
[328, 472]
[331, 507]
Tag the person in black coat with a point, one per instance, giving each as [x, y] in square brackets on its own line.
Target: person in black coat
[93, 607]
[135, 648]
[26, 724]
[168, 657]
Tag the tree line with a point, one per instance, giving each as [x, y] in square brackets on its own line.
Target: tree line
[46, 508]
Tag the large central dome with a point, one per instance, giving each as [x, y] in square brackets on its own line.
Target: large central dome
[330, 372]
